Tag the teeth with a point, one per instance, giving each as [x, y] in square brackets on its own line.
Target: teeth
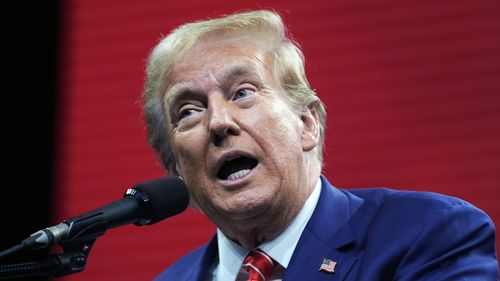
[238, 174]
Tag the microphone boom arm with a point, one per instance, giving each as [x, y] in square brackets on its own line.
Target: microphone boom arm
[144, 204]
[72, 260]
[83, 232]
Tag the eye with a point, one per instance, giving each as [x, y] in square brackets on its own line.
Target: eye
[187, 111]
[242, 93]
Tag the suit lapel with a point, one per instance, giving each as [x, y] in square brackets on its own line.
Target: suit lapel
[308, 259]
[335, 231]
[328, 234]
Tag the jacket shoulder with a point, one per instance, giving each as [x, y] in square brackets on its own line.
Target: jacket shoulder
[386, 197]
[430, 235]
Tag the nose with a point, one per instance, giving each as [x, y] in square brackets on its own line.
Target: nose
[222, 120]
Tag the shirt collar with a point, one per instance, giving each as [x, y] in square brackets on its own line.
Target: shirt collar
[281, 248]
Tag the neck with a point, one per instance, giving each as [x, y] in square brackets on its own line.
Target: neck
[250, 233]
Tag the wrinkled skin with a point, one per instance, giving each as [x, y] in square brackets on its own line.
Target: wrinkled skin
[222, 102]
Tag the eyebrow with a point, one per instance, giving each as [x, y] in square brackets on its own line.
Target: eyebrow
[177, 93]
[238, 69]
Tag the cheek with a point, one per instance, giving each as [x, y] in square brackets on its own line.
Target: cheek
[282, 127]
[191, 167]
[278, 134]
[187, 152]
[273, 116]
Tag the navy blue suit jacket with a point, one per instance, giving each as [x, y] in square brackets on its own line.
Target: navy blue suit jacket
[380, 234]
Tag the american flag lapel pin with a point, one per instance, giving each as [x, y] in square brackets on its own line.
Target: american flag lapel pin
[328, 265]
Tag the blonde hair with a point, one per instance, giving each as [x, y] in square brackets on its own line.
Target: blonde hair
[261, 25]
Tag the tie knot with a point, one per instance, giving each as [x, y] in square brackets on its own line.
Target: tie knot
[258, 265]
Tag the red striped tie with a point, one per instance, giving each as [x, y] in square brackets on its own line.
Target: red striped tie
[259, 266]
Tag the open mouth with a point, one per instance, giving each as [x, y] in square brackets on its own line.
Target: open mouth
[236, 168]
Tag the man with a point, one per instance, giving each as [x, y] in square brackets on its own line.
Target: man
[229, 109]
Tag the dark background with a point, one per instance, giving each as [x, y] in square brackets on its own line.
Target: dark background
[30, 59]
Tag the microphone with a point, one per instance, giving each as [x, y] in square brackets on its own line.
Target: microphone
[143, 204]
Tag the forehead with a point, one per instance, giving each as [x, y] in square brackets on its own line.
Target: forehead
[213, 56]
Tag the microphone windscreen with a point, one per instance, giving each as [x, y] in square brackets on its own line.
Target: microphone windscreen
[165, 197]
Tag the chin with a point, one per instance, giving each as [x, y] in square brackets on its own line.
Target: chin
[247, 208]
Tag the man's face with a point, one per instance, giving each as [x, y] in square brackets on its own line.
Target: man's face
[238, 145]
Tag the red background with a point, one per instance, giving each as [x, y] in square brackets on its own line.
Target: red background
[412, 90]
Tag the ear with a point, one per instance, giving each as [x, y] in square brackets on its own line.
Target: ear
[310, 129]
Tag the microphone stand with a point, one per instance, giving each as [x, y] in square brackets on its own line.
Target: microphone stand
[84, 231]
[72, 260]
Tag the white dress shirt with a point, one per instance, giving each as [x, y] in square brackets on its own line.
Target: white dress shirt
[281, 248]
